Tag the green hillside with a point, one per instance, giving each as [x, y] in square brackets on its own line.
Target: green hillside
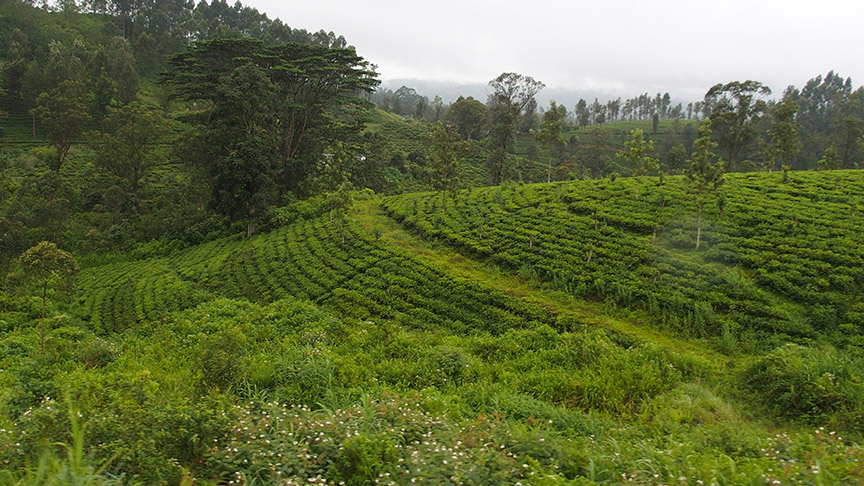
[312, 354]
[782, 259]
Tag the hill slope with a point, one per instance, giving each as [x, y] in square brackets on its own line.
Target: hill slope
[301, 356]
[781, 259]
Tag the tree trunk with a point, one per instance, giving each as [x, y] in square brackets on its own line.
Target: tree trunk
[699, 227]
[549, 173]
[250, 224]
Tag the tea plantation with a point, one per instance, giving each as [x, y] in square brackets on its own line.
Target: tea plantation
[782, 259]
[313, 355]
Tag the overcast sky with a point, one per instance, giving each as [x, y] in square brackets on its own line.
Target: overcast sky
[619, 47]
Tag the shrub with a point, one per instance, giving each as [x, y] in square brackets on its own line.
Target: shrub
[814, 385]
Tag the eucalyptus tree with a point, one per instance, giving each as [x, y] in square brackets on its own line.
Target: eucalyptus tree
[63, 112]
[637, 155]
[445, 162]
[43, 267]
[704, 173]
[735, 111]
[512, 93]
[127, 148]
[550, 133]
[783, 139]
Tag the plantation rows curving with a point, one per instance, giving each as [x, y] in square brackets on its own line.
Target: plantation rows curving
[360, 278]
[780, 258]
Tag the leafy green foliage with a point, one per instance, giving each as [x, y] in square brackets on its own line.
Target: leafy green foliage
[766, 276]
[811, 385]
[63, 112]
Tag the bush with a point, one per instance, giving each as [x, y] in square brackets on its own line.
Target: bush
[817, 386]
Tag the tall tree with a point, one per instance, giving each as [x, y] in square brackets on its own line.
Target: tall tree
[583, 116]
[469, 116]
[121, 68]
[704, 174]
[736, 109]
[45, 266]
[823, 101]
[438, 108]
[312, 84]
[244, 144]
[636, 154]
[783, 140]
[127, 148]
[445, 162]
[63, 112]
[550, 133]
[512, 92]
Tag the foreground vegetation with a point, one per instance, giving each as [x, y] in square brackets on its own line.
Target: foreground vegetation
[314, 353]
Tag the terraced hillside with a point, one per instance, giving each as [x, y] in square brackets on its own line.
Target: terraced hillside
[307, 260]
[782, 259]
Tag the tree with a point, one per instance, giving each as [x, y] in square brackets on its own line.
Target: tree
[676, 158]
[244, 144]
[583, 116]
[438, 108]
[126, 150]
[104, 91]
[550, 133]
[830, 160]
[824, 102]
[445, 161]
[63, 112]
[848, 130]
[338, 187]
[704, 175]
[311, 84]
[784, 142]
[635, 154]
[736, 109]
[469, 116]
[45, 266]
[121, 67]
[594, 156]
[512, 92]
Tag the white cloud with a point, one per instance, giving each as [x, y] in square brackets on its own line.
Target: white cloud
[618, 46]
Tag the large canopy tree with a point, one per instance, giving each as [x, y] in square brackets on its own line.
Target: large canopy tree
[737, 107]
[469, 116]
[313, 86]
[127, 148]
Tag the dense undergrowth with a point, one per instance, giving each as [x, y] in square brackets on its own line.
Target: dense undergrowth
[236, 391]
